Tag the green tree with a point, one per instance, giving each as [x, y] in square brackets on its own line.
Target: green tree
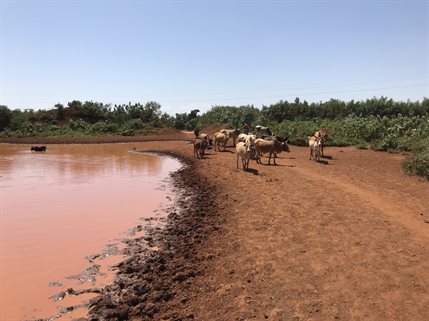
[60, 111]
[167, 120]
[75, 104]
[180, 121]
[119, 114]
[5, 117]
[151, 113]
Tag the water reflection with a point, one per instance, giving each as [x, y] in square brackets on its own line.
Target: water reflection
[59, 206]
[79, 162]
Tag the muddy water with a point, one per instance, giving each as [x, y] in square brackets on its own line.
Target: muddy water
[62, 205]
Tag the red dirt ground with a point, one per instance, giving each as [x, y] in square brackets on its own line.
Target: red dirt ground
[342, 240]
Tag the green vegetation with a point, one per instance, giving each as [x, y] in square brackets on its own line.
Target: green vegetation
[78, 119]
[377, 123]
[417, 164]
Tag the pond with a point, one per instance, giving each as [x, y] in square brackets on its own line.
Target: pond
[59, 206]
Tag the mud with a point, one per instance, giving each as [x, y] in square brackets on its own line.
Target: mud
[147, 283]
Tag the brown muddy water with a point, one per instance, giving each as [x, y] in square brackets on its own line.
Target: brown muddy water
[60, 206]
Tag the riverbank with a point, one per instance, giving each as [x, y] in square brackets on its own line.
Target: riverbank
[155, 281]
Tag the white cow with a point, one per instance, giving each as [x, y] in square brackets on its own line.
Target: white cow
[315, 144]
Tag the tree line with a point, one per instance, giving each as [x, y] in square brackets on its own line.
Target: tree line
[150, 114]
[86, 117]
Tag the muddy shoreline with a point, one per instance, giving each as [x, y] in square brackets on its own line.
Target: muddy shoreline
[155, 284]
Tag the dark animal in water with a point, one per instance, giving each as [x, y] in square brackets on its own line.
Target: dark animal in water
[38, 148]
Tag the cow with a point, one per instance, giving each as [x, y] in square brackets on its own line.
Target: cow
[246, 150]
[200, 146]
[220, 139]
[39, 148]
[322, 134]
[278, 138]
[232, 133]
[315, 144]
[261, 130]
[271, 147]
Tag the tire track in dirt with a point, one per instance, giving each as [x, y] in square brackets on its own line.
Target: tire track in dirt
[390, 208]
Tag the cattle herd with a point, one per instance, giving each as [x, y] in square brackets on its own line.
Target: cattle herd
[253, 146]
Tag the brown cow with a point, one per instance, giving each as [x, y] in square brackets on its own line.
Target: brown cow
[200, 145]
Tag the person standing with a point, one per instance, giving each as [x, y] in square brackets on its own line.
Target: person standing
[246, 128]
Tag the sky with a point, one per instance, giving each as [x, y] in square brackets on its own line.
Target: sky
[190, 54]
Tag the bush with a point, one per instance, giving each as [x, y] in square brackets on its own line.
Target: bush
[297, 131]
[26, 129]
[362, 146]
[127, 132]
[103, 127]
[417, 164]
[79, 125]
[131, 126]
[233, 116]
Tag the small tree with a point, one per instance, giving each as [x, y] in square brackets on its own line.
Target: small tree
[5, 117]
[60, 111]
[151, 113]
[75, 104]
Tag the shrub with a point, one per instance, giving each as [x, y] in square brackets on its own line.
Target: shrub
[133, 124]
[417, 164]
[127, 132]
[26, 129]
[362, 146]
[103, 127]
[79, 125]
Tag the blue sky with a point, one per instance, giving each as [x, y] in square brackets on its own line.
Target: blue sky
[195, 54]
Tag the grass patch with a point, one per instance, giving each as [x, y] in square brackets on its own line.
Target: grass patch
[362, 146]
